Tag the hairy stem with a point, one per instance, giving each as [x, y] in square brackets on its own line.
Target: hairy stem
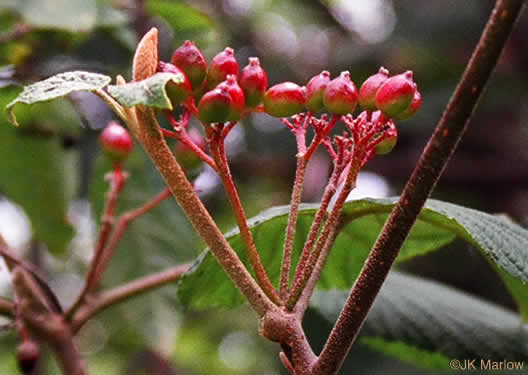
[292, 227]
[117, 182]
[219, 155]
[126, 291]
[122, 224]
[329, 227]
[432, 163]
[155, 145]
[318, 222]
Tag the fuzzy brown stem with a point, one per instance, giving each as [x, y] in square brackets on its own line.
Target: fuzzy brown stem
[219, 156]
[432, 163]
[7, 308]
[292, 226]
[155, 145]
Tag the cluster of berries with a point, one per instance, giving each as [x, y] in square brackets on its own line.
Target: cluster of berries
[224, 94]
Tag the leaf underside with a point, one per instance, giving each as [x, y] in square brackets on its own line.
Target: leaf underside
[424, 322]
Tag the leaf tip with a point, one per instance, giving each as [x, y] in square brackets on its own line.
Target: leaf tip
[145, 60]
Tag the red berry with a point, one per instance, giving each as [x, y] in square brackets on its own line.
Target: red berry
[412, 108]
[315, 90]
[215, 106]
[367, 92]
[254, 82]
[116, 141]
[191, 61]
[221, 66]
[284, 99]
[179, 91]
[238, 102]
[396, 94]
[28, 354]
[386, 145]
[340, 96]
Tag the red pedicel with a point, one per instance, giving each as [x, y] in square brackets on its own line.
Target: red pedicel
[396, 94]
[367, 92]
[116, 141]
[284, 99]
[238, 101]
[221, 66]
[254, 82]
[215, 106]
[341, 95]
[315, 90]
[412, 108]
[179, 91]
[191, 61]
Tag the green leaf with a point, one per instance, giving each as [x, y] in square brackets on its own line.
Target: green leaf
[499, 238]
[56, 87]
[70, 15]
[149, 92]
[181, 17]
[35, 173]
[424, 322]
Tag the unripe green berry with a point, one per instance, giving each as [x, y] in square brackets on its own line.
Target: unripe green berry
[340, 96]
[367, 92]
[396, 94]
[238, 102]
[387, 145]
[177, 90]
[221, 66]
[254, 82]
[191, 61]
[315, 90]
[412, 108]
[116, 141]
[215, 106]
[284, 99]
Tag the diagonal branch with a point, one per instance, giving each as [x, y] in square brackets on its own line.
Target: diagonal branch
[432, 163]
[126, 291]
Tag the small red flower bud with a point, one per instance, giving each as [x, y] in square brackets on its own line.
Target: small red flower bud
[238, 102]
[412, 108]
[116, 141]
[386, 145]
[284, 99]
[221, 66]
[215, 106]
[367, 92]
[396, 94]
[254, 82]
[28, 354]
[178, 92]
[191, 61]
[341, 96]
[315, 90]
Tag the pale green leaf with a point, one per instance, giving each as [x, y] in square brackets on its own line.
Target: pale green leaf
[58, 86]
[149, 92]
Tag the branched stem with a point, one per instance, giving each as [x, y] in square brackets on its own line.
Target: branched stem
[125, 292]
[121, 226]
[329, 227]
[432, 163]
[117, 182]
[217, 146]
[152, 139]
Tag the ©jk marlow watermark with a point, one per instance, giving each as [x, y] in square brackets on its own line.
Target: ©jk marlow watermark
[484, 364]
